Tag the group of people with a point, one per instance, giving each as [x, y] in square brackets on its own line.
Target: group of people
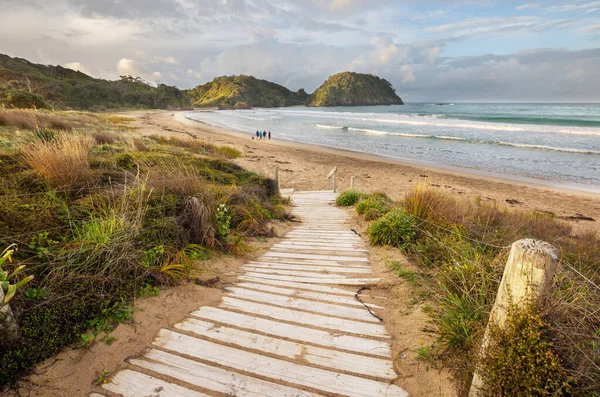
[263, 135]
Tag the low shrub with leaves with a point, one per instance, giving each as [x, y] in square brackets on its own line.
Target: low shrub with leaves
[373, 207]
[101, 219]
[461, 249]
[396, 228]
[520, 360]
[348, 198]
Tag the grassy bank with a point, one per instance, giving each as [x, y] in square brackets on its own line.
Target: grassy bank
[457, 250]
[98, 216]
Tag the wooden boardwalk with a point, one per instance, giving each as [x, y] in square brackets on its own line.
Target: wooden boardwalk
[290, 327]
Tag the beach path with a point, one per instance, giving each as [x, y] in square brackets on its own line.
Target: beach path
[290, 326]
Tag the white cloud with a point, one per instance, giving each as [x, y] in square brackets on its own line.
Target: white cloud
[481, 25]
[573, 7]
[156, 75]
[129, 68]
[77, 66]
[528, 6]
[168, 60]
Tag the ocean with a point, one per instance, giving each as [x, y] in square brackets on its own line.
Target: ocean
[557, 143]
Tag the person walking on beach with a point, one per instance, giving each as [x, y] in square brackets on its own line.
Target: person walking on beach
[260, 135]
[257, 133]
[269, 135]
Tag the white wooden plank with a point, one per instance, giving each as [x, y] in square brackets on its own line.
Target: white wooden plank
[276, 369]
[329, 309]
[322, 275]
[315, 320]
[296, 332]
[289, 261]
[213, 378]
[341, 300]
[307, 249]
[334, 360]
[314, 280]
[309, 268]
[294, 243]
[301, 286]
[130, 383]
[324, 232]
[318, 257]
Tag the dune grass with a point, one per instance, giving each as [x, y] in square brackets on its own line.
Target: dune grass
[460, 247]
[63, 160]
[101, 216]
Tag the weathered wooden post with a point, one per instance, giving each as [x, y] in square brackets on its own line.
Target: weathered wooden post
[277, 178]
[335, 181]
[351, 183]
[332, 179]
[7, 320]
[527, 275]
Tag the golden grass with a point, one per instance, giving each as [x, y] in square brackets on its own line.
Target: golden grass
[118, 119]
[63, 162]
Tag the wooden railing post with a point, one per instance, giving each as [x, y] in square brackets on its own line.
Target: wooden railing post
[277, 178]
[332, 179]
[7, 320]
[351, 183]
[527, 275]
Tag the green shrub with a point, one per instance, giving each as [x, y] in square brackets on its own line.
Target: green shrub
[396, 228]
[372, 207]
[520, 360]
[348, 198]
[460, 320]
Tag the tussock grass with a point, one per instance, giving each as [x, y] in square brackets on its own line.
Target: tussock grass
[396, 228]
[373, 206]
[348, 198]
[99, 221]
[201, 147]
[63, 162]
[462, 245]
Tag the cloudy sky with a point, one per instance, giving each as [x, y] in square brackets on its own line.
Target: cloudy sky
[437, 50]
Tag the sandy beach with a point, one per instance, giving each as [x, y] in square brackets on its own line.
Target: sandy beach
[305, 167]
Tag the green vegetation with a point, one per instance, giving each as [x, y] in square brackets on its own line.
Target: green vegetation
[6, 277]
[101, 216]
[26, 85]
[373, 206]
[348, 198]
[243, 92]
[521, 361]
[396, 228]
[354, 89]
[457, 253]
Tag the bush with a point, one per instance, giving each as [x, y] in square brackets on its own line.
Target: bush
[348, 198]
[373, 207]
[520, 360]
[63, 162]
[25, 100]
[396, 228]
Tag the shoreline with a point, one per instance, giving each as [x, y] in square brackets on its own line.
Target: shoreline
[591, 191]
[305, 167]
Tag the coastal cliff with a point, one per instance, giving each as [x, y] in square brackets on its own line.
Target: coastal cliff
[243, 92]
[355, 89]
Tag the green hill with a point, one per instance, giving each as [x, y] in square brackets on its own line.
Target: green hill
[355, 89]
[26, 85]
[242, 92]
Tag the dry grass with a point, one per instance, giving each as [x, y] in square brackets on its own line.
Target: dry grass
[224, 152]
[197, 220]
[104, 137]
[63, 162]
[32, 120]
